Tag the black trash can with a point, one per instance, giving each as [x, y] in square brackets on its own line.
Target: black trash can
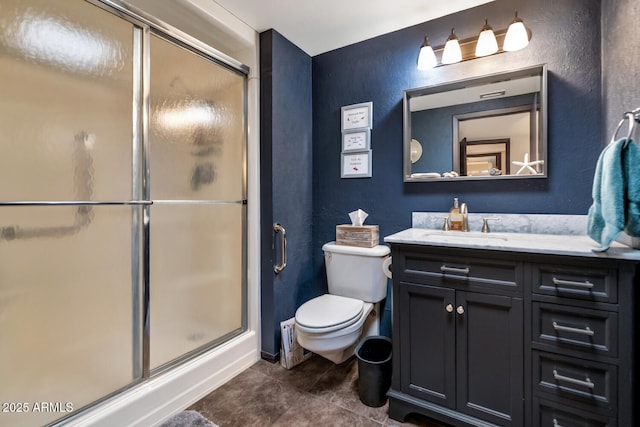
[374, 369]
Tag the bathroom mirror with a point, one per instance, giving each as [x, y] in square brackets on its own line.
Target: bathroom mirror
[488, 127]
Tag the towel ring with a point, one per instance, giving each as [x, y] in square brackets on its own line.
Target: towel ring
[631, 118]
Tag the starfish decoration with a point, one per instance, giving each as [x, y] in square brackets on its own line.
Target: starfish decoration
[526, 165]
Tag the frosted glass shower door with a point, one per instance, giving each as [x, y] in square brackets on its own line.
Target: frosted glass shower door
[67, 282]
[197, 221]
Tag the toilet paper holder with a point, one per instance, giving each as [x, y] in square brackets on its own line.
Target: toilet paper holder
[386, 267]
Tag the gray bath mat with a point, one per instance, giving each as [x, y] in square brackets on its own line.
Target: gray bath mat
[187, 419]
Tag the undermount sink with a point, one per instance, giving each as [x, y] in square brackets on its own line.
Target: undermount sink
[468, 237]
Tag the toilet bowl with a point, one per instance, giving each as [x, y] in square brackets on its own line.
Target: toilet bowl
[332, 324]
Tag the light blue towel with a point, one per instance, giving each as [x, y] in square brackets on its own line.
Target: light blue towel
[616, 194]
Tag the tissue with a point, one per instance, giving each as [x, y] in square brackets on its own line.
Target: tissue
[357, 234]
[358, 217]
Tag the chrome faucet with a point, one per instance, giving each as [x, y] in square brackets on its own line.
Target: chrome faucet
[485, 223]
[464, 211]
[445, 224]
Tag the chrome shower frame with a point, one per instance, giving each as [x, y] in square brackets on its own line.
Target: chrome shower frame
[144, 27]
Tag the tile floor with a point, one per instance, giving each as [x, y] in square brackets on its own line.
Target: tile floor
[315, 393]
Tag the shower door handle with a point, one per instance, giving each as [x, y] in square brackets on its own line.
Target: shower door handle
[280, 229]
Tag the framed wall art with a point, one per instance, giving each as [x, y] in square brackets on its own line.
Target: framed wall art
[356, 165]
[356, 141]
[357, 116]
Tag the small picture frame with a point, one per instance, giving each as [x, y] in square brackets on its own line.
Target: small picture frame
[357, 116]
[356, 165]
[356, 141]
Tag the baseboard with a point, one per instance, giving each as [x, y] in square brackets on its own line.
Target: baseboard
[157, 399]
[272, 358]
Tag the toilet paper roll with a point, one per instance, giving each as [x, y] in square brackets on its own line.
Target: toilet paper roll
[386, 267]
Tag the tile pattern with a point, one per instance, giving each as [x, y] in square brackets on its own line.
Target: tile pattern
[315, 393]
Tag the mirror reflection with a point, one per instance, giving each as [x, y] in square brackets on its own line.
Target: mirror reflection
[481, 128]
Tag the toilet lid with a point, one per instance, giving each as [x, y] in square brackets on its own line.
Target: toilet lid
[329, 310]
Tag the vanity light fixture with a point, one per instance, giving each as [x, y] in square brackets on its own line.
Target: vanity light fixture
[487, 43]
[452, 52]
[427, 57]
[517, 36]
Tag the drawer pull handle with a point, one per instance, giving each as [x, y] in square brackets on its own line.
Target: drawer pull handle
[445, 269]
[586, 284]
[556, 423]
[449, 308]
[586, 331]
[586, 383]
[460, 310]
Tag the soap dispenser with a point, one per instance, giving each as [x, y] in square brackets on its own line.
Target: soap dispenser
[455, 217]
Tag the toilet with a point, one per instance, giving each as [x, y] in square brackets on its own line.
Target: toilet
[332, 324]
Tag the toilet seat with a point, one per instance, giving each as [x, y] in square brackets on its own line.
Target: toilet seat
[328, 313]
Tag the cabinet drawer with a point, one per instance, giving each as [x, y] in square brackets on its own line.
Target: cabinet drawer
[552, 414]
[582, 329]
[580, 282]
[446, 270]
[578, 382]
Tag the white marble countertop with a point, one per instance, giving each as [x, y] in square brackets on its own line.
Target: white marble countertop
[553, 244]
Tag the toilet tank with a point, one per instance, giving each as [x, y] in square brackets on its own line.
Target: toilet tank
[356, 272]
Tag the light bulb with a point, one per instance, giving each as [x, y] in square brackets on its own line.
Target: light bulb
[427, 57]
[517, 36]
[487, 43]
[452, 52]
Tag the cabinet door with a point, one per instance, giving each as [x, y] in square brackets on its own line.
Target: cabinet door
[490, 357]
[427, 342]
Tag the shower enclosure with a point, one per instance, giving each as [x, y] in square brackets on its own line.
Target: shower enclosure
[122, 205]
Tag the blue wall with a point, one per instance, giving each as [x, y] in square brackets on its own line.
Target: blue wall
[565, 35]
[620, 61]
[286, 182]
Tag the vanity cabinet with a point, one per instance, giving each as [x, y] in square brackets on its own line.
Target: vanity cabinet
[487, 337]
[583, 342]
[463, 350]
[458, 336]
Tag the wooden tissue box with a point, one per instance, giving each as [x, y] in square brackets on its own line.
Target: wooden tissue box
[364, 236]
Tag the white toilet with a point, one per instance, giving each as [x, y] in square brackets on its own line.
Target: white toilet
[331, 325]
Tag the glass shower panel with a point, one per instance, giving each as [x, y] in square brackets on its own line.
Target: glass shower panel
[67, 282]
[196, 169]
[197, 126]
[66, 74]
[196, 277]
[65, 307]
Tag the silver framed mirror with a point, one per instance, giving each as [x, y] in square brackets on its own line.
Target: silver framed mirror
[487, 127]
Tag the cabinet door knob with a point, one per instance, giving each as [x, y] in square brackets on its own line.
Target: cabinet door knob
[449, 308]
[460, 309]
